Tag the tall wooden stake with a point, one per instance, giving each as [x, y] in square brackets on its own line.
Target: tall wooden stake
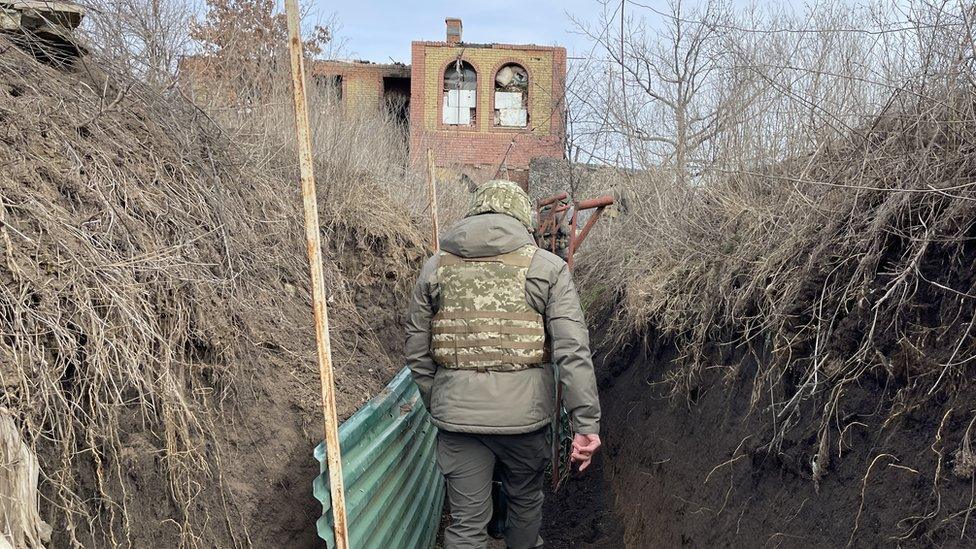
[432, 191]
[314, 244]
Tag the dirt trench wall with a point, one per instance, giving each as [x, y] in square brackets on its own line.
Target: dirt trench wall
[697, 473]
[157, 347]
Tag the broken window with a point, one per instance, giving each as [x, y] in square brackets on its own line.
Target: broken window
[460, 95]
[512, 96]
[330, 85]
[396, 96]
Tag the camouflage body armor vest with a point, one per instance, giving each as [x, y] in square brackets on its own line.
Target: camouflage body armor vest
[484, 321]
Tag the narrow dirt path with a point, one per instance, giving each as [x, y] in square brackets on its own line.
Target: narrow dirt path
[579, 514]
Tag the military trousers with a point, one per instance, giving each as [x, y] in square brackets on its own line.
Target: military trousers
[467, 462]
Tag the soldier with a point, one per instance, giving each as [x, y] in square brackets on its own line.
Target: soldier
[485, 316]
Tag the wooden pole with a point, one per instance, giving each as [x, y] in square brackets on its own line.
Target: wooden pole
[432, 191]
[313, 242]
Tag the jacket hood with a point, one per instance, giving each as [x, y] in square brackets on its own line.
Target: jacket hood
[504, 197]
[485, 235]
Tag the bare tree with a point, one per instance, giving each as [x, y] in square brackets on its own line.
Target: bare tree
[662, 93]
[147, 36]
[241, 46]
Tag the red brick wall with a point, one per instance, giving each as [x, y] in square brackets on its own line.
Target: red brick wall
[362, 83]
[484, 150]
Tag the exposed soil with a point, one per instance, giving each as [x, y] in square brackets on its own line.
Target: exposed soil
[580, 514]
[154, 271]
[265, 434]
[696, 474]
[110, 209]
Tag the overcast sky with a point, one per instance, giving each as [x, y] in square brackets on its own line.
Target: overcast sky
[376, 30]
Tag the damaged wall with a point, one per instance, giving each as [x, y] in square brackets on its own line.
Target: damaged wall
[362, 85]
[488, 127]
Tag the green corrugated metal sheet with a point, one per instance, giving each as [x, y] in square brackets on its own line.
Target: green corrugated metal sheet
[394, 492]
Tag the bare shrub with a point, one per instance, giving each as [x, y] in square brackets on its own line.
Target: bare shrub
[825, 217]
[146, 38]
[120, 278]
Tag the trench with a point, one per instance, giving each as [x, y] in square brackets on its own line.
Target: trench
[692, 465]
[692, 469]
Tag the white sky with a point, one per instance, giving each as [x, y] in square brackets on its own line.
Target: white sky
[377, 30]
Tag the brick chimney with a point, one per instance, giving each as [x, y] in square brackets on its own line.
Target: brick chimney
[453, 30]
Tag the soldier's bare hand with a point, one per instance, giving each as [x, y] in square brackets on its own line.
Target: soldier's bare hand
[584, 446]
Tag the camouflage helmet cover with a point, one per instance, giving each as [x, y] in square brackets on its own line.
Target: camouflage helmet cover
[504, 197]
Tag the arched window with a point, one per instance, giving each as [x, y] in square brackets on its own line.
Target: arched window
[512, 96]
[460, 94]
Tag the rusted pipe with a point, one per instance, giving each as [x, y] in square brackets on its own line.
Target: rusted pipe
[599, 202]
[543, 202]
[556, 214]
[314, 245]
[586, 229]
[572, 239]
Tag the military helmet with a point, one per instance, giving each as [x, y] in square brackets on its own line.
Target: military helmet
[504, 197]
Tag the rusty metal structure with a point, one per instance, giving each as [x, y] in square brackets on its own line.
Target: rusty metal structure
[559, 220]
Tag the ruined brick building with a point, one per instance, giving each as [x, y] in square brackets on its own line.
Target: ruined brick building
[483, 109]
[360, 84]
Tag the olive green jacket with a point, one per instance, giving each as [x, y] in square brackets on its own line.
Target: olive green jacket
[469, 401]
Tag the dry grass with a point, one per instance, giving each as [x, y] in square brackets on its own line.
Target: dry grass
[148, 254]
[846, 264]
[853, 259]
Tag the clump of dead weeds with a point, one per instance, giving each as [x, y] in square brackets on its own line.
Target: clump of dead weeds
[145, 260]
[964, 458]
[850, 264]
